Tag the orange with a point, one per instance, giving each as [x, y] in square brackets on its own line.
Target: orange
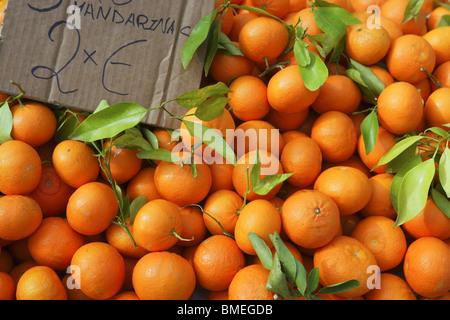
[164, 139]
[344, 259]
[250, 284]
[430, 222]
[367, 45]
[436, 38]
[296, 5]
[163, 276]
[73, 292]
[391, 27]
[347, 186]
[18, 270]
[143, 184]
[394, 10]
[384, 142]
[99, 270]
[349, 222]
[380, 203]
[442, 76]
[408, 55]
[7, 287]
[223, 206]
[177, 183]
[54, 243]
[117, 237]
[52, 194]
[225, 18]
[20, 168]
[6, 260]
[221, 176]
[218, 295]
[216, 261]
[123, 163]
[286, 121]
[278, 8]
[194, 228]
[125, 295]
[400, 108]
[248, 98]
[338, 93]
[270, 165]
[387, 243]
[20, 216]
[336, 68]
[263, 38]
[287, 93]
[307, 21]
[302, 157]
[310, 218]
[33, 123]
[155, 224]
[437, 112]
[427, 267]
[259, 217]
[435, 16]
[336, 136]
[225, 68]
[19, 250]
[354, 161]
[290, 135]
[239, 20]
[392, 287]
[91, 208]
[40, 283]
[382, 74]
[424, 88]
[75, 163]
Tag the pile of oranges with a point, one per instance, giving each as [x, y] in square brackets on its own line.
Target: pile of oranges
[59, 238]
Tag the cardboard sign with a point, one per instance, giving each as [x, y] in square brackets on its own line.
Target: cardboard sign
[76, 53]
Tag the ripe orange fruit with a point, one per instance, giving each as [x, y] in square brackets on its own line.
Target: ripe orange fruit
[384, 142]
[335, 134]
[248, 98]
[427, 267]
[177, 183]
[290, 135]
[259, 217]
[354, 161]
[194, 228]
[54, 243]
[263, 38]
[224, 67]
[20, 216]
[155, 224]
[347, 186]
[143, 184]
[163, 276]
[400, 108]
[303, 157]
[164, 139]
[278, 8]
[98, 269]
[435, 17]
[338, 93]
[437, 112]
[20, 168]
[117, 237]
[436, 38]
[221, 176]
[424, 88]
[382, 74]
[286, 121]
[270, 165]
[307, 21]
[250, 284]
[391, 27]
[7, 287]
[408, 55]
[343, 259]
[394, 10]
[91, 208]
[75, 163]
[40, 283]
[387, 243]
[239, 20]
[19, 250]
[442, 75]
[367, 45]
[125, 295]
[52, 194]
[287, 93]
[218, 295]
[216, 261]
[222, 205]
[124, 163]
[380, 203]
[6, 260]
[310, 218]
[225, 17]
[33, 123]
[430, 222]
[392, 287]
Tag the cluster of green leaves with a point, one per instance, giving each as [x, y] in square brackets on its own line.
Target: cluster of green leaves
[288, 277]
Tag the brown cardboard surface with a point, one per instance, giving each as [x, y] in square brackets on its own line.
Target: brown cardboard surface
[123, 51]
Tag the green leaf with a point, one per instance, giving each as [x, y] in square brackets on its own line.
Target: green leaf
[255, 173]
[135, 206]
[195, 98]
[213, 44]
[414, 190]
[441, 4]
[300, 277]
[441, 201]
[101, 106]
[369, 130]
[277, 281]
[159, 154]
[226, 46]
[339, 287]
[151, 138]
[211, 108]
[371, 81]
[132, 139]
[286, 258]
[6, 123]
[313, 280]
[301, 53]
[315, 73]
[444, 22]
[395, 165]
[444, 171]
[198, 35]
[266, 184]
[66, 128]
[256, 10]
[109, 122]
[323, 43]
[262, 250]
[440, 132]
[322, 3]
[412, 10]
[398, 149]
